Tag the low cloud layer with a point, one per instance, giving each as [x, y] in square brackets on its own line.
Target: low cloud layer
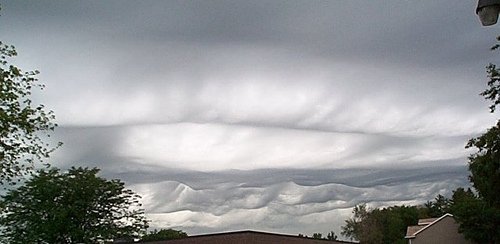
[284, 200]
[206, 183]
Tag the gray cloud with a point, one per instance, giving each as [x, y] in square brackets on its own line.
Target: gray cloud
[291, 74]
[269, 198]
[279, 193]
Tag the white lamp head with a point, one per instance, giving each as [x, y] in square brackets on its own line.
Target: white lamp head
[488, 11]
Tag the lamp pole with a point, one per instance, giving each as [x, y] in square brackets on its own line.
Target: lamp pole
[488, 11]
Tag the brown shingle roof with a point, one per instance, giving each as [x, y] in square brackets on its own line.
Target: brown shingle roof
[246, 237]
[426, 221]
[413, 229]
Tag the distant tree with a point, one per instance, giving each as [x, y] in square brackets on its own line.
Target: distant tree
[317, 236]
[70, 207]
[22, 123]
[332, 236]
[164, 234]
[386, 225]
[437, 208]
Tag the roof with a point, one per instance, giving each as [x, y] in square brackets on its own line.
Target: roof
[413, 229]
[426, 221]
[246, 236]
[423, 224]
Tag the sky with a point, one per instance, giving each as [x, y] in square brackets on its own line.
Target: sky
[273, 115]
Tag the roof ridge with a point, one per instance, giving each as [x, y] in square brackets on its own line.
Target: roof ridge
[259, 232]
[430, 224]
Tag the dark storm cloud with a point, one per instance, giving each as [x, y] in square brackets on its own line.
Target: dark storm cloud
[427, 32]
[191, 61]
[359, 177]
[371, 29]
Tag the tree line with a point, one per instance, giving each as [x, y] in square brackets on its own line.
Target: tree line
[389, 224]
[330, 236]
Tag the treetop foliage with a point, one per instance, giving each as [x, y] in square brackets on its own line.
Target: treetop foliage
[70, 207]
[164, 234]
[386, 225]
[484, 165]
[22, 123]
[479, 214]
[331, 236]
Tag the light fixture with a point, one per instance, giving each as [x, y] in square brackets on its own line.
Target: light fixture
[488, 11]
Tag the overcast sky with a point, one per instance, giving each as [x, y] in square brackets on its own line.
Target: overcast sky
[264, 115]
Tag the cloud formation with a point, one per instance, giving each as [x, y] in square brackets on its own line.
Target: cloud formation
[284, 114]
[279, 200]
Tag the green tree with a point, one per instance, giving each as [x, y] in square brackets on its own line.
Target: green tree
[164, 234]
[318, 236]
[476, 218]
[386, 225]
[70, 207]
[437, 208]
[479, 215]
[493, 91]
[22, 123]
[352, 227]
[332, 236]
[484, 165]
[363, 226]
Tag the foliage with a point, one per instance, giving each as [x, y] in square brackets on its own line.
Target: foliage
[22, 123]
[164, 234]
[479, 215]
[332, 236]
[478, 221]
[70, 207]
[386, 225]
[484, 165]
[493, 91]
[353, 226]
[437, 208]
[317, 236]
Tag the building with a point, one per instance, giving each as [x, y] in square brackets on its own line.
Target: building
[436, 230]
[246, 237]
